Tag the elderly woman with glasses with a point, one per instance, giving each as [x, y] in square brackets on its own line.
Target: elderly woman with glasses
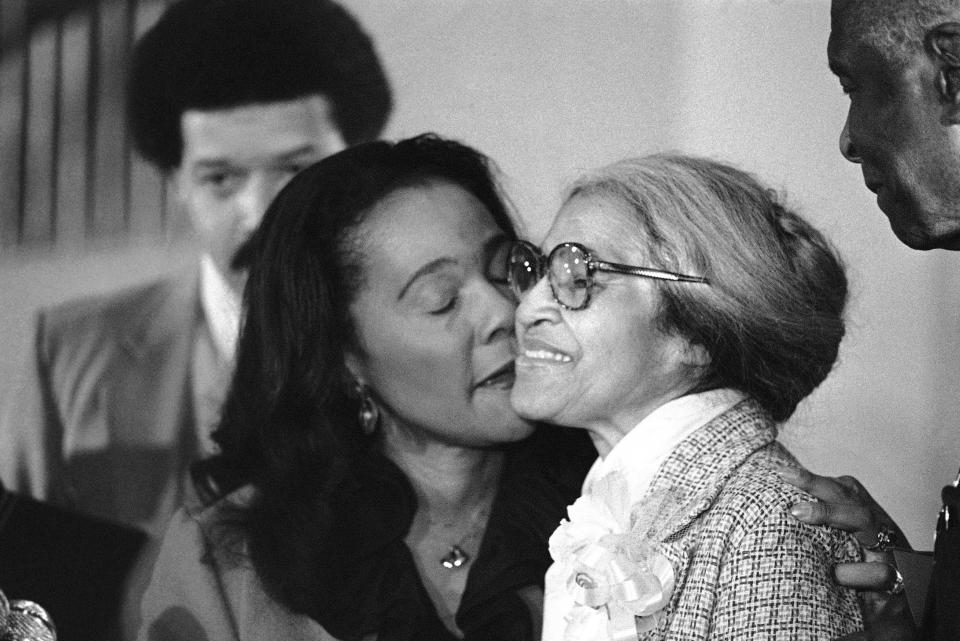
[679, 313]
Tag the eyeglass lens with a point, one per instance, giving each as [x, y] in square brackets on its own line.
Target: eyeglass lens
[569, 275]
[524, 267]
[568, 272]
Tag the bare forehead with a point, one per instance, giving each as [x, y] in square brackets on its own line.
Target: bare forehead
[431, 213]
[261, 134]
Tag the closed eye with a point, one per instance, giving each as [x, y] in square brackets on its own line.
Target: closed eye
[446, 308]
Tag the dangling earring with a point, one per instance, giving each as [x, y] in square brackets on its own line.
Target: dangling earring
[369, 414]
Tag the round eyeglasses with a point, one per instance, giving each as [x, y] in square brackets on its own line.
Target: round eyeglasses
[569, 269]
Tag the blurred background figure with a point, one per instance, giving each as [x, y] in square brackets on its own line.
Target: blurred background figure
[228, 99]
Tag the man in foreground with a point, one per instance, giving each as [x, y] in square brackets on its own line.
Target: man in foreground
[899, 62]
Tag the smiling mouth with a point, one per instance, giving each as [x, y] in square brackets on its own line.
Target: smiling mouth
[547, 355]
[502, 378]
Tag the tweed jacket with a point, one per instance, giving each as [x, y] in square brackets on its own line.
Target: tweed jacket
[103, 422]
[744, 568]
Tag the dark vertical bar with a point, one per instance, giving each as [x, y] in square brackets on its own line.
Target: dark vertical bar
[55, 134]
[12, 16]
[146, 183]
[89, 215]
[4, 38]
[109, 217]
[129, 29]
[165, 199]
[24, 127]
[39, 133]
[72, 157]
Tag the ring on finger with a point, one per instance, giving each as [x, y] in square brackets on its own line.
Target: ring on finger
[897, 586]
[886, 539]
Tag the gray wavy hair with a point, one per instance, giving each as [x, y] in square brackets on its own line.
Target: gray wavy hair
[772, 317]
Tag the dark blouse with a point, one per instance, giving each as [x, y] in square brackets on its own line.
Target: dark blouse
[371, 584]
[543, 476]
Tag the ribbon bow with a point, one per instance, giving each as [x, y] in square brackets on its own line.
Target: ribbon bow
[619, 584]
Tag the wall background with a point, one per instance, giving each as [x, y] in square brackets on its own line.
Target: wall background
[550, 88]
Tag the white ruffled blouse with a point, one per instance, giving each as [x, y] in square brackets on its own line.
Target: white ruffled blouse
[603, 539]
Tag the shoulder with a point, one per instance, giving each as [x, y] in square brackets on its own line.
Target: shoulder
[219, 525]
[754, 506]
[85, 337]
[202, 583]
[105, 313]
[186, 587]
[747, 554]
[183, 592]
[206, 535]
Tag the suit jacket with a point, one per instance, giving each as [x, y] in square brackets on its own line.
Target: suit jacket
[103, 423]
[745, 568]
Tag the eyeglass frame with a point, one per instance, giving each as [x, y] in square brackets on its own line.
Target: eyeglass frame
[593, 265]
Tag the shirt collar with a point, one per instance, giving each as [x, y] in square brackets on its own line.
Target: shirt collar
[221, 307]
[641, 451]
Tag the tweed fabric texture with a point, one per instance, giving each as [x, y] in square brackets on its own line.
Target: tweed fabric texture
[745, 568]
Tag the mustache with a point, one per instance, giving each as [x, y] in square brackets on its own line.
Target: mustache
[243, 258]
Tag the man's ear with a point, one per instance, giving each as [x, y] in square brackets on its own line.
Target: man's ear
[943, 45]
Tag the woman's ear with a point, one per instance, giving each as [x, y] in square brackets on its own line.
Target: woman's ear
[354, 367]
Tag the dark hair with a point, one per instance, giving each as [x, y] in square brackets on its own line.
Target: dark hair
[216, 54]
[289, 424]
[896, 29]
[771, 318]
